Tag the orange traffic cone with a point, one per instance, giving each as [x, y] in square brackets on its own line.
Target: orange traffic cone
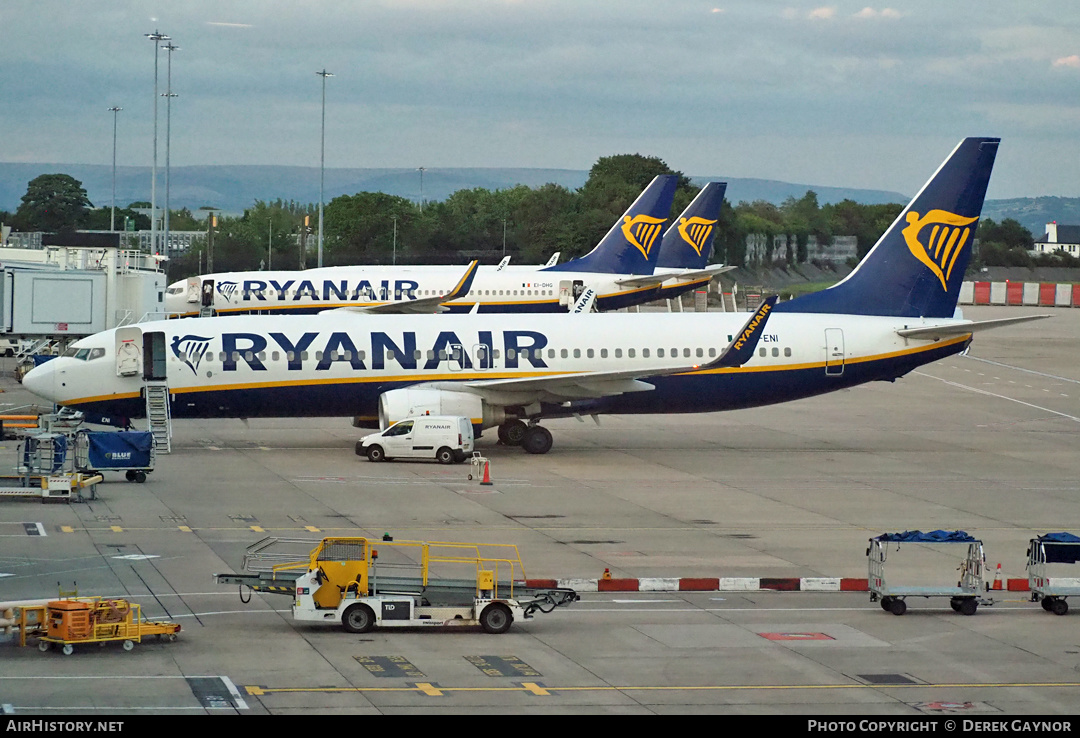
[607, 574]
[487, 473]
[997, 579]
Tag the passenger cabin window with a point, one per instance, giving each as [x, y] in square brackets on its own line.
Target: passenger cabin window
[762, 352]
[787, 351]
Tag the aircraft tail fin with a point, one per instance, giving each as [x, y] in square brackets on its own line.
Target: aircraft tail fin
[916, 268]
[687, 243]
[630, 246]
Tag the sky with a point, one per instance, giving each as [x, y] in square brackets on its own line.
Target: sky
[844, 94]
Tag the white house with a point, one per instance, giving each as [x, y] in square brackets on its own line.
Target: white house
[1059, 238]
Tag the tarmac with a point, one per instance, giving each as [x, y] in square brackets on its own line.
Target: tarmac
[985, 443]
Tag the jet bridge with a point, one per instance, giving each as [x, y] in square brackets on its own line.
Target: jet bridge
[75, 292]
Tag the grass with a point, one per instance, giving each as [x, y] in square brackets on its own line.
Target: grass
[802, 288]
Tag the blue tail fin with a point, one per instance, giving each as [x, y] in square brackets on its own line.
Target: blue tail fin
[628, 246]
[917, 267]
[687, 243]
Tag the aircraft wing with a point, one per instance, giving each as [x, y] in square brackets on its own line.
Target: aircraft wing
[422, 305]
[586, 385]
[958, 329]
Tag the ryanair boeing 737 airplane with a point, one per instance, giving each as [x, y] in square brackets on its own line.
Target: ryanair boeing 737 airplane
[619, 270]
[892, 314]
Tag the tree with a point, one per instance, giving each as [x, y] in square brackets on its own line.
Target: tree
[53, 203]
[99, 219]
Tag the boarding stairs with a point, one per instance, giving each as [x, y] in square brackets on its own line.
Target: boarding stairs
[38, 347]
[159, 416]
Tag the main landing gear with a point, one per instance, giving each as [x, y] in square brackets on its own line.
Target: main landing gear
[535, 439]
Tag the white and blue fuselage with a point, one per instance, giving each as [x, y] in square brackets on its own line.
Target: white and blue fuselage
[339, 364]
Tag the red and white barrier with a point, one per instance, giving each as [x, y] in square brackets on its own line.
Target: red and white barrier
[736, 584]
[1042, 294]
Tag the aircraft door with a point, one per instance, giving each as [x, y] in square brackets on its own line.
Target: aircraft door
[193, 295]
[208, 293]
[565, 288]
[834, 352]
[455, 357]
[481, 357]
[154, 356]
[128, 351]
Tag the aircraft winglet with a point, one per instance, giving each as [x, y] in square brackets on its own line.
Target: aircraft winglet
[464, 284]
[585, 303]
[742, 347]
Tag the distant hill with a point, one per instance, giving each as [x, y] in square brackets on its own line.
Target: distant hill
[234, 188]
[1035, 212]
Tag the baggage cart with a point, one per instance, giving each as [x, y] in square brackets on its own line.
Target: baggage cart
[131, 452]
[1045, 554]
[99, 620]
[963, 598]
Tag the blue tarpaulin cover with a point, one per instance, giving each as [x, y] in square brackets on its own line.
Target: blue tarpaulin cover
[1060, 548]
[121, 450]
[935, 536]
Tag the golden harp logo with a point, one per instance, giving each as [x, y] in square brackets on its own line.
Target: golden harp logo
[695, 231]
[641, 231]
[936, 239]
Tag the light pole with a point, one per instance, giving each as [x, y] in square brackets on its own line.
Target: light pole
[112, 213]
[504, 236]
[395, 240]
[270, 244]
[322, 158]
[157, 37]
[421, 170]
[169, 95]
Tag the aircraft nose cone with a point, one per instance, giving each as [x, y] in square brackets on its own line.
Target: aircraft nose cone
[41, 381]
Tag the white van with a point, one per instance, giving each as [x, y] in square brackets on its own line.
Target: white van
[445, 438]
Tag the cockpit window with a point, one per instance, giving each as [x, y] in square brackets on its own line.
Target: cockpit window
[84, 354]
[175, 290]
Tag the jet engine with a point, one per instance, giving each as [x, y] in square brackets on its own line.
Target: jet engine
[409, 402]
